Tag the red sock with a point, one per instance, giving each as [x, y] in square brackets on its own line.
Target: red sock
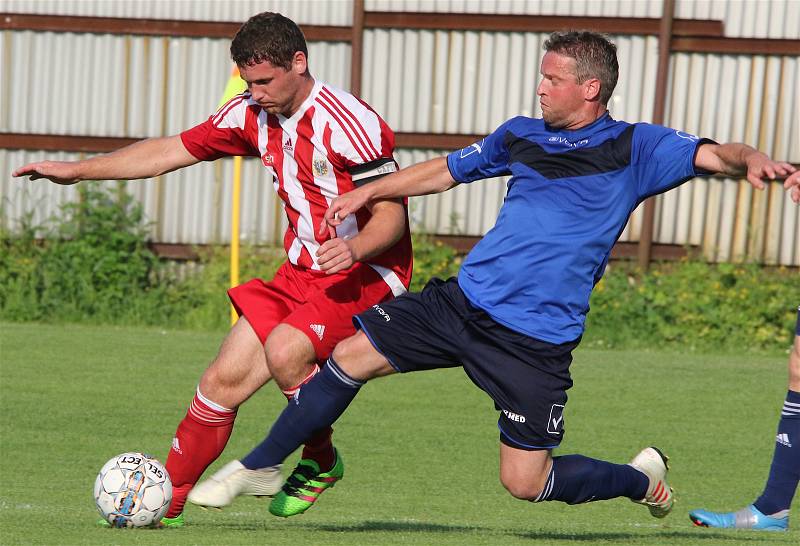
[319, 447]
[199, 440]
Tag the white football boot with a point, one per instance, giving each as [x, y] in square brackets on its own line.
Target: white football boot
[233, 480]
[659, 497]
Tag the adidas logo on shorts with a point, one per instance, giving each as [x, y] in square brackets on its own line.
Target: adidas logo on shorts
[318, 329]
[783, 439]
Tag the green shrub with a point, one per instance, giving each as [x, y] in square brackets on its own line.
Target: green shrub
[93, 264]
[432, 259]
[695, 305]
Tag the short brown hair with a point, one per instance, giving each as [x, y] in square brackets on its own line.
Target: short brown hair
[595, 57]
[268, 37]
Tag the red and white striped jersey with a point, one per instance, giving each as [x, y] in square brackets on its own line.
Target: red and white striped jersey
[333, 143]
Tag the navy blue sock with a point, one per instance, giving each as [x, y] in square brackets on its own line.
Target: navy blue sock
[316, 405]
[784, 474]
[575, 479]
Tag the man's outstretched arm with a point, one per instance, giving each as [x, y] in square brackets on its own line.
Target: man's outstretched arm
[736, 159]
[424, 178]
[143, 159]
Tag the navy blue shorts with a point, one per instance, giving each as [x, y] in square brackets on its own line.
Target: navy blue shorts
[439, 328]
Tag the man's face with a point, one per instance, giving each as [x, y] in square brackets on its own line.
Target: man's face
[560, 95]
[275, 89]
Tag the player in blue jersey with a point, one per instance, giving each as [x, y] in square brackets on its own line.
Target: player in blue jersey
[770, 512]
[516, 311]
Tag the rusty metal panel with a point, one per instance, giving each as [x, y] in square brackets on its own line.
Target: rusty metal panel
[606, 8]
[450, 82]
[730, 219]
[747, 18]
[309, 12]
[26, 202]
[103, 85]
[741, 18]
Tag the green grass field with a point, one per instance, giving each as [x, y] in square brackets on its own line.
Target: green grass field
[420, 450]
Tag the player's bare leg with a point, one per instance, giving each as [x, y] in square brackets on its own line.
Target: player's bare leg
[536, 476]
[291, 356]
[354, 361]
[524, 473]
[238, 371]
[321, 401]
[293, 362]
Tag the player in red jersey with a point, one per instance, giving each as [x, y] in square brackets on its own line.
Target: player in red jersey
[316, 142]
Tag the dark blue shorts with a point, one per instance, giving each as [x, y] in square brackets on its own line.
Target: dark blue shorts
[439, 328]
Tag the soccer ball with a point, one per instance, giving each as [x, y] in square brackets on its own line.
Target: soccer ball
[132, 490]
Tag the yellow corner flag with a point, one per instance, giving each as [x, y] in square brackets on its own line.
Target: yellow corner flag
[235, 86]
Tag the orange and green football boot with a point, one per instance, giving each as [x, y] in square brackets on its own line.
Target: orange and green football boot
[304, 486]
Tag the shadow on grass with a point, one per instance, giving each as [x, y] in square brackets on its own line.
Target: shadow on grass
[363, 527]
[621, 537]
[408, 526]
[636, 538]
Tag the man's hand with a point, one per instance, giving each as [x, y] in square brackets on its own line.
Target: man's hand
[760, 167]
[336, 255]
[60, 172]
[792, 185]
[342, 207]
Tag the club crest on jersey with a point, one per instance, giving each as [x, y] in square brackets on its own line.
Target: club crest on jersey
[320, 166]
[266, 159]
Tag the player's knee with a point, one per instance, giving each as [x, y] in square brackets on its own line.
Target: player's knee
[280, 357]
[353, 356]
[522, 487]
[217, 380]
[288, 351]
[521, 490]
[346, 352]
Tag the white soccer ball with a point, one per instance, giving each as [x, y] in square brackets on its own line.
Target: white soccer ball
[132, 490]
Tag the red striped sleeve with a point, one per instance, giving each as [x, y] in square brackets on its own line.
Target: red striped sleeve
[361, 133]
[227, 107]
[347, 127]
[387, 135]
[211, 140]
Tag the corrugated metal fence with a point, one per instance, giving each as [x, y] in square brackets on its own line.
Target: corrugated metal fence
[421, 81]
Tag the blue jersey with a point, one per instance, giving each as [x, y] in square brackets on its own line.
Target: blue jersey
[568, 199]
